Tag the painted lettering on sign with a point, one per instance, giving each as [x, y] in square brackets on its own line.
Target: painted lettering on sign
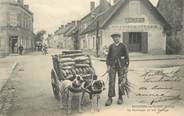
[134, 20]
[136, 27]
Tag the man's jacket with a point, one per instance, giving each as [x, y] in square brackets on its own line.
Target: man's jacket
[117, 56]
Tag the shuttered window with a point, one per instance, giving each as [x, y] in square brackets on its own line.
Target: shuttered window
[13, 19]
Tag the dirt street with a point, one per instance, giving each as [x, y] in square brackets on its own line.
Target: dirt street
[29, 92]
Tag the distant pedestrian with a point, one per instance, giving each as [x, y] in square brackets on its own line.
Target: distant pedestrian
[44, 49]
[21, 48]
[117, 63]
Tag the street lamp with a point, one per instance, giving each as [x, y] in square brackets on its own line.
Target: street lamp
[93, 15]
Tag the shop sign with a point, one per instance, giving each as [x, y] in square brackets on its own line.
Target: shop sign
[134, 20]
[136, 27]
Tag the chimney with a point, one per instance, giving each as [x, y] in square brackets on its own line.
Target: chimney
[92, 6]
[62, 26]
[26, 6]
[77, 22]
[73, 22]
[68, 24]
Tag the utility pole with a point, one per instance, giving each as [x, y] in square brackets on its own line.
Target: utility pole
[97, 38]
[95, 17]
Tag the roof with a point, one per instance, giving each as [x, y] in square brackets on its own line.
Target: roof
[158, 15]
[17, 5]
[71, 31]
[99, 9]
[104, 18]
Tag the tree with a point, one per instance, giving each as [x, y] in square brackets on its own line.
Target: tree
[40, 36]
[172, 10]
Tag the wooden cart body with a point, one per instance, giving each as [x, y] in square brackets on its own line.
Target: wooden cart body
[68, 64]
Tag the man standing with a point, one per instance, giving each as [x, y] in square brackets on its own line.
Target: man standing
[21, 48]
[117, 62]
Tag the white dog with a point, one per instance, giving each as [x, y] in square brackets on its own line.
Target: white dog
[95, 89]
[71, 88]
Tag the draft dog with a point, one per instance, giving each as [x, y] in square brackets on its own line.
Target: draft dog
[70, 89]
[94, 89]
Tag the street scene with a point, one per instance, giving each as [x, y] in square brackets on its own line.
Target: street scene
[100, 57]
[29, 91]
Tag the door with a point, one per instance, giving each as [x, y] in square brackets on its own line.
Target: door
[144, 47]
[126, 39]
[135, 41]
[14, 44]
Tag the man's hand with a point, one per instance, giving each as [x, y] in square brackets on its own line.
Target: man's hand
[126, 69]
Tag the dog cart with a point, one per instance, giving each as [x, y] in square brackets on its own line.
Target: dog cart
[68, 64]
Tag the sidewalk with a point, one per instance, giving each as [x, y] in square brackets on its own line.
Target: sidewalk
[7, 65]
[148, 57]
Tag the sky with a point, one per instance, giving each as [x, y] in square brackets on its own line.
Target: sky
[50, 14]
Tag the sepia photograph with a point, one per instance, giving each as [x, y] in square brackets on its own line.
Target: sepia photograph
[91, 57]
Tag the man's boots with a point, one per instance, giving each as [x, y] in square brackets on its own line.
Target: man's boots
[120, 100]
[108, 102]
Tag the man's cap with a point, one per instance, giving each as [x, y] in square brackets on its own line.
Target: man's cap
[115, 35]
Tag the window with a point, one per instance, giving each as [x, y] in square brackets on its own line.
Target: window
[84, 43]
[85, 26]
[28, 43]
[94, 43]
[13, 19]
[24, 21]
[19, 19]
[89, 43]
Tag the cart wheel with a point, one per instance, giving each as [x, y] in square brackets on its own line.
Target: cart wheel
[55, 87]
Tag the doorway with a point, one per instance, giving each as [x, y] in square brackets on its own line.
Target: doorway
[14, 44]
[136, 41]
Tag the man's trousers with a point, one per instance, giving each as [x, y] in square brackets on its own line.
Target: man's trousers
[122, 77]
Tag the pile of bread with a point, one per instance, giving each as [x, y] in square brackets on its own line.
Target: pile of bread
[80, 65]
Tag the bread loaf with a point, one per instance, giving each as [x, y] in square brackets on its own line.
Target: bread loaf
[73, 71]
[81, 65]
[64, 73]
[80, 70]
[66, 68]
[67, 64]
[81, 58]
[63, 60]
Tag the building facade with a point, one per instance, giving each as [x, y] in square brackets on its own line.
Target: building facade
[16, 27]
[66, 36]
[142, 28]
[88, 41]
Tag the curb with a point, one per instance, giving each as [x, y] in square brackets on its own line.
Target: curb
[103, 60]
[9, 75]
